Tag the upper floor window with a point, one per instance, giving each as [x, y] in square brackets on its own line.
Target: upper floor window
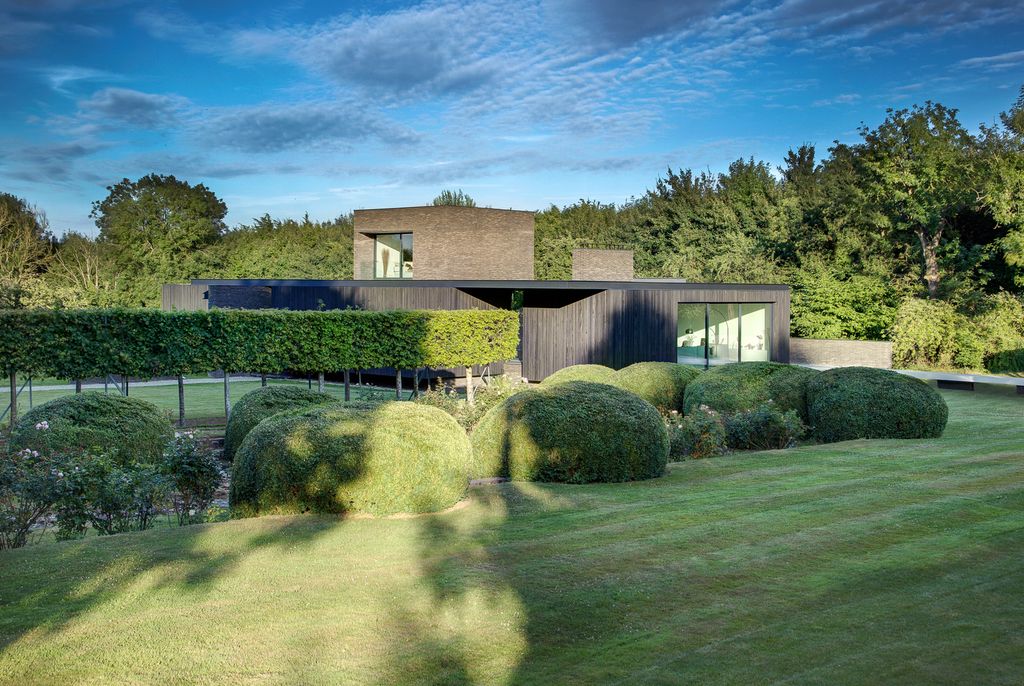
[392, 256]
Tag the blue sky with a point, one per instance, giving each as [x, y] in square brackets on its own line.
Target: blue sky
[288, 107]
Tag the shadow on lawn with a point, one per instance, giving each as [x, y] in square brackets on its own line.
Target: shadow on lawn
[98, 570]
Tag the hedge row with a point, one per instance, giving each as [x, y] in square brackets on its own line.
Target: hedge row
[76, 344]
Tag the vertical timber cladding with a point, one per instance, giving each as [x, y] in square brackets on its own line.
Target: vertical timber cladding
[617, 327]
[374, 298]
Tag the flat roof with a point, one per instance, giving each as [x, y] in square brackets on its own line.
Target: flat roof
[634, 285]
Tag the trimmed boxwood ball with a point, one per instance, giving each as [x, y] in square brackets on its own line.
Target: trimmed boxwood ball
[255, 406]
[136, 429]
[662, 384]
[858, 402]
[573, 432]
[745, 385]
[596, 373]
[397, 457]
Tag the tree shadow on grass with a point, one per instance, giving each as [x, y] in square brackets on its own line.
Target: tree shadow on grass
[100, 570]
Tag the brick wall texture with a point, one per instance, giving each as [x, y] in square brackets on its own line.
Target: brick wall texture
[450, 243]
[589, 264]
[836, 353]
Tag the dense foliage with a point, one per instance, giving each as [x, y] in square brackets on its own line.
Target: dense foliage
[255, 406]
[662, 384]
[130, 428]
[697, 435]
[193, 473]
[75, 344]
[109, 491]
[395, 458]
[594, 373]
[574, 432]
[746, 385]
[468, 415]
[857, 402]
[764, 427]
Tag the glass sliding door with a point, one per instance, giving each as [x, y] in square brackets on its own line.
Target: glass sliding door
[691, 334]
[754, 332]
[723, 333]
[719, 333]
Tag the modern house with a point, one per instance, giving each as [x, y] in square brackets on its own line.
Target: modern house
[467, 257]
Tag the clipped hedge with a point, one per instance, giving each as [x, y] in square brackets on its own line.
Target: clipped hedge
[595, 373]
[662, 384]
[574, 432]
[746, 385]
[858, 402]
[76, 344]
[255, 406]
[398, 457]
[137, 430]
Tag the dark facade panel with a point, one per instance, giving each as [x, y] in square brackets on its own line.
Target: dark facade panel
[619, 327]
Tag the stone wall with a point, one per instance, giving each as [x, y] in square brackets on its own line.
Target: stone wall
[840, 353]
[451, 243]
[591, 264]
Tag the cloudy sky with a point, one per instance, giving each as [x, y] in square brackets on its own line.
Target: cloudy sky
[290, 106]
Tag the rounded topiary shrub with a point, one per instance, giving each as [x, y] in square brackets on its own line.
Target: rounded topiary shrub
[255, 406]
[746, 385]
[395, 457]
[857, 402]
[596, 373]
[574, 432]
[137, 430]
[662, 384]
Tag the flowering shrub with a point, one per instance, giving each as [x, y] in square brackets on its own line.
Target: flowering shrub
[696, 435]
[763, 428]
[194, 475]
[30, 484]
[102, 493]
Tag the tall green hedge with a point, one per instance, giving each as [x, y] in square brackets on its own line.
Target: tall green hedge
[75, 344]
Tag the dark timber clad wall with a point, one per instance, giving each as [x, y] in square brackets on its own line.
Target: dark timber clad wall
[385, 298]
[619, 327]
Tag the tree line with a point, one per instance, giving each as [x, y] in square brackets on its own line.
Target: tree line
[918, 208]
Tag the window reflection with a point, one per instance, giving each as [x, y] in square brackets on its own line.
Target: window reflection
[719, 333]
[392, 256]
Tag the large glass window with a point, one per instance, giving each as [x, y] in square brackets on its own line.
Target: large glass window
[392, 256]
[719, 333]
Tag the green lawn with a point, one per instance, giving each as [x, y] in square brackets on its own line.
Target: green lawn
[859, 562]
[202, 401]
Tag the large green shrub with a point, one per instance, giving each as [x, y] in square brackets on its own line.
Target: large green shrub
[662, 384]
[857, 402]
[396, 457]
[763, 428]
[137, 431]
[932, 334]
[595, 373]
[575, 432]
[746, 385]
[697, 435]
[1007, 362]
[255, 406]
